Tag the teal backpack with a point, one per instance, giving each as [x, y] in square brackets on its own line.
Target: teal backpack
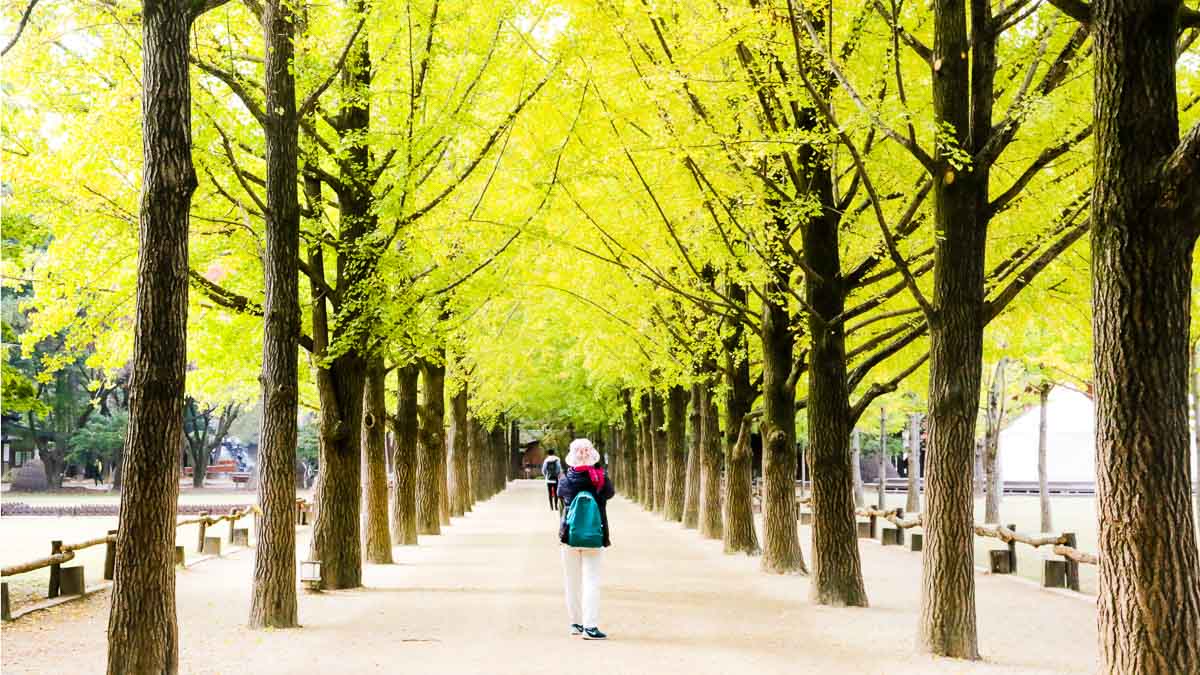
[584, 527]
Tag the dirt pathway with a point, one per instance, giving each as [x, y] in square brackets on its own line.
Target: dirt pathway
[485, 597]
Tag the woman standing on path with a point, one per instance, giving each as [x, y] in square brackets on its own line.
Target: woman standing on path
[581, 554]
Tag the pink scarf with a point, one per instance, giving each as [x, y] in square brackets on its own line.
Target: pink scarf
[594, 474]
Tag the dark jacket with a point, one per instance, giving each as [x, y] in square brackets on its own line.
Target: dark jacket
[572, 483]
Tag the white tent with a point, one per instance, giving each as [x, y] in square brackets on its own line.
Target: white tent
[1070, 441]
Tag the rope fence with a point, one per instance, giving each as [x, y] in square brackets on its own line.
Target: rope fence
[68, 582]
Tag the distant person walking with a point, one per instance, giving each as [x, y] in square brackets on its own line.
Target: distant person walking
[551, 470]
[584, 533]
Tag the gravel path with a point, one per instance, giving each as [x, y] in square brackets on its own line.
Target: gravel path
[485, 597]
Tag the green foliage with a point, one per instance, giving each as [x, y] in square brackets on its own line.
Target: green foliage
[308, 443]
[101, 438]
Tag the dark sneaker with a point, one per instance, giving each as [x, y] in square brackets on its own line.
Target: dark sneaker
[576, 629]
[593, 634]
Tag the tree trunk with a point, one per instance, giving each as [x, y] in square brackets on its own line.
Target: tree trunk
[1142, 245]
[947, 623]
[1043, 479]
[913, 505]
[514, 457]
[993, 487]
[199, 460]
[675, 480]
[477, 459]
[431, 449]
[377, 542]
[711, 524]
[273, 592]
[659, 442]
[143, 636]
[646, 456]
[781, 539]
[837, 569]
[1196, 428]
[336, 538]
[739, 535]
[460, 433]
[629, 442]
[404, 459]
[860, 497]
[499, 450]
[691, 495]
[881, 459]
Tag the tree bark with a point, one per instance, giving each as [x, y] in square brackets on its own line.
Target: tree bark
[1142, 245]
[739, 534]
[691, 495]
[711, 524]
[404, 458]
[477, 459]
[675, 480]
[514, 457]
[273, 593]
[913, 503]
[993, 488]
[629, 441]
[336, 539]
[881, 461]
[860, 497]
[460, 481]
[659, 441]
[1043, 479]
[646, 456]
[781, 539]
[947, 623]
[143, 636]
[431, 448]
[377, 542]
[837, 570]
[1196, 429]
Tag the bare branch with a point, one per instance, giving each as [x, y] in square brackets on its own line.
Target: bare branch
[310, 102]
[20, 27]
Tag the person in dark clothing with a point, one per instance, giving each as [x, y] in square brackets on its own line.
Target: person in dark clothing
[581, 566]
[552, 470]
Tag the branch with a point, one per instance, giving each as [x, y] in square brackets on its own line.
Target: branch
[920, 48]
[20, 27]
[487, 146]
[877, 205]
[225, 297]
[1082, 12]
[1179, 180]
[1043, 160]
[236, 84]
[201, 6]
[915, 150]
[310, 102]
[880, 388]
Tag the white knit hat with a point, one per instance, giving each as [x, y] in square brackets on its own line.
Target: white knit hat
[582, 453]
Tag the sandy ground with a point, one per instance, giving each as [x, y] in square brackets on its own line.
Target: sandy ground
[485, 597]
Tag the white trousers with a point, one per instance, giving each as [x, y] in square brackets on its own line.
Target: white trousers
[581, 574]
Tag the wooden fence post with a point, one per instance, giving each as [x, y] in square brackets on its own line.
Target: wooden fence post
[110, 557]
[55, 572]
[1012, 552]
[203, 527]
[1072, 575]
